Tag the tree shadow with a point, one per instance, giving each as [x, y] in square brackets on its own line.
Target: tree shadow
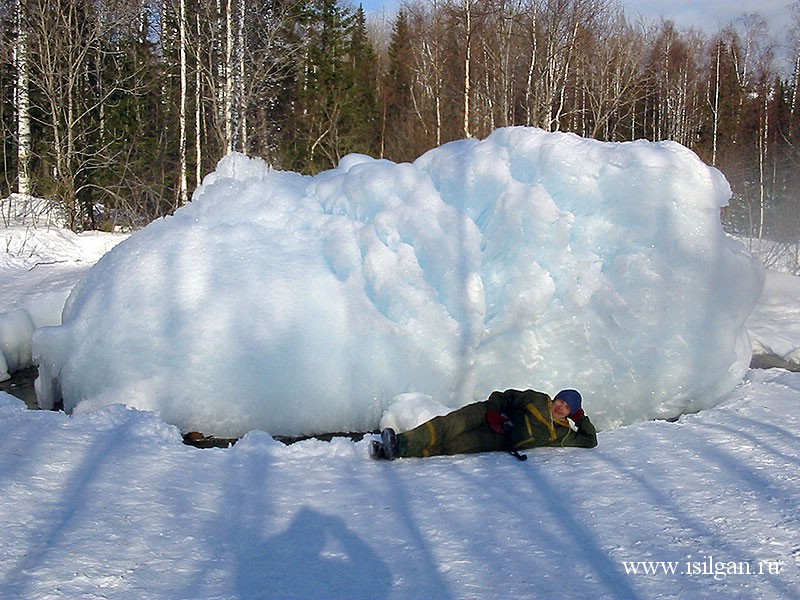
[576, 537]
[316, 557]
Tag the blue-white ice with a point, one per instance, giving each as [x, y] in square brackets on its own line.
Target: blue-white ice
[297, 304]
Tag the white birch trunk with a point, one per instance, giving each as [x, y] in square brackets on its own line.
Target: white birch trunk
[467, 58]
[228, 77]
[716, 108]
[762, 156]
[198, 149]
[183, 194]
[22, 106]
[243, 142]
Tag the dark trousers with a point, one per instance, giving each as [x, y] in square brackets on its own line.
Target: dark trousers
[463, 431]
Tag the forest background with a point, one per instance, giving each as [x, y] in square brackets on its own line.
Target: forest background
[113, 110]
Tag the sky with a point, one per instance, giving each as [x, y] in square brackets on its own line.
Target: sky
[707, 15]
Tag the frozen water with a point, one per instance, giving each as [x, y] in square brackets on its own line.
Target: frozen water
[298, 305]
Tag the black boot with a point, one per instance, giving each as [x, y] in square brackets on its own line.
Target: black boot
[391, 445]
[376, 450]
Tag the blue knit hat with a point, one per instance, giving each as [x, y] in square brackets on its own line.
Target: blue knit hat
[572, 398]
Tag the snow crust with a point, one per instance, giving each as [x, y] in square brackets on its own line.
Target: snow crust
[297, 304]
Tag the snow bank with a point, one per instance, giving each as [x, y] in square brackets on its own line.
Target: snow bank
[297, 304]
[774, 324]
[21, 209]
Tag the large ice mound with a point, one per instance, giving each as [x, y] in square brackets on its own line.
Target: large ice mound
[298, 304]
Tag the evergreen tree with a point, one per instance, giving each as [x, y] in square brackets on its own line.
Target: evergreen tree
[271, 52]
[397, 94]
[361, 117]
[313, 142]
[137, 178]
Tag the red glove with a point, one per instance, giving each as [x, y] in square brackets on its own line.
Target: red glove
[577, 416]
[498, 422]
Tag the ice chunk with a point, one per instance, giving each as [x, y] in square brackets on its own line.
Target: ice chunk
[299, 305]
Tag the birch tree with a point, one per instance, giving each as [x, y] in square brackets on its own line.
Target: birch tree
[610, 82]
[431, 64]
[22, 104]
[77, 69]
[468, 34]
[498, 71]
[183, 193]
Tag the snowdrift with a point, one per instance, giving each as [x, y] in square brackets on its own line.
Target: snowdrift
[298, 305]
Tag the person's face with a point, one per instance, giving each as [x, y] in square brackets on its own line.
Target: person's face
[560, 409]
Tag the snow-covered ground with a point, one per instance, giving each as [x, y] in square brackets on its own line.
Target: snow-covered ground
[111, 504]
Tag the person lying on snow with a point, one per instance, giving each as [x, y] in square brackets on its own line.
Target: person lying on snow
[508, 421]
